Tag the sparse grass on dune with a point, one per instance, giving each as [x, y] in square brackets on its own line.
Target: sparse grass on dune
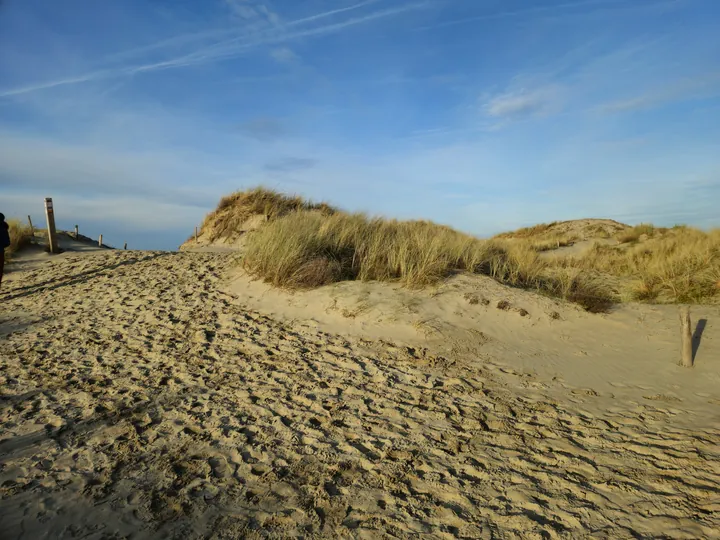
[235, 209]
[529, 232]
[553, 242]
[302, 245]
[634, 234]
[549, 236]
[307, 249]
[20, 236]
[680, 265]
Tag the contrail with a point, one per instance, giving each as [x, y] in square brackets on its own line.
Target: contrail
[223, 49]
[521, 12]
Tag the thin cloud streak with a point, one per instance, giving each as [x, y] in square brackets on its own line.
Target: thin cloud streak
[219, 32]
[226, 49]
[231, 48]
[687, 89]
[522, 13]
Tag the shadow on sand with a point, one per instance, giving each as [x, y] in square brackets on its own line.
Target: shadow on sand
[20, 292]
[697, 336]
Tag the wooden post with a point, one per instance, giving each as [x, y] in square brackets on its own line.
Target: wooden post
[100, 241]
[50, 215]
[196, 235]
[686, 331]
[32, 229]
[76, 232]
[125, 246]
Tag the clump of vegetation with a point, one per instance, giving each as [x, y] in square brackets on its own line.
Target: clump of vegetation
[20, 236]
[634, 234]
[303, 245]
[307, 249]
[551, 236]
[681, 265]
[234, 210]
[529, 232]
[555, 241]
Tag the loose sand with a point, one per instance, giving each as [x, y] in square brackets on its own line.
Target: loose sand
[166, 395]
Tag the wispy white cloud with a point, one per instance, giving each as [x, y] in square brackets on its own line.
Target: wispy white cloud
[283, 55]
[525, 12]
[522, 103]
[44, 164]
[225, 31]
[706, 85]
[251, 10]
[226, 48]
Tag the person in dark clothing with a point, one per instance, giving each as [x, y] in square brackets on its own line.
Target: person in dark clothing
[4, 243]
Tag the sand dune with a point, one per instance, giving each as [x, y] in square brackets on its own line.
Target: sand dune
[164, 395]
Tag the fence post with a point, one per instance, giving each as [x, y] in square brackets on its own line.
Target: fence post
[686, 335]
[125, 246]
[32, 229]
[50, 215]
[76, 232]
[100, 241]
[196, 235]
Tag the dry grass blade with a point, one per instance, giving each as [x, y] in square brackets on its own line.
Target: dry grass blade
[20, 236]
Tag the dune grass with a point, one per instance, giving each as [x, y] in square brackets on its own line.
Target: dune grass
[303, 245]
[679, 265]
[235, 209]
[553, 241]
[306, 249]
[20, 237]
[550, 236]
[634, 234]
[529, 232]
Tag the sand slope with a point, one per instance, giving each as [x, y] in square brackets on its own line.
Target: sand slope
[630, 354]
[139, 397]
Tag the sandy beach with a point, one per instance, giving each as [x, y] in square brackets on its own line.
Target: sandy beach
[166, 395]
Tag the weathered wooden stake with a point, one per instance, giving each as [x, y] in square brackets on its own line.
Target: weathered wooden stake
[76, 232]
[50, 215]
[686, 331]
[196, 235]
[125, 246]
[100, 241]
[32, 229]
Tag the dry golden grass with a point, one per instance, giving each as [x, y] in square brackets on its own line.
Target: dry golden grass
[20, 236]
[680, 265]
[553, 241]
[307, 249]
[634, 234]
[235, 209]
[304, 245]
[529, 232]
[549, 236]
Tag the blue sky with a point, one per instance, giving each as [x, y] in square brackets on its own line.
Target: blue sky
[137, 115]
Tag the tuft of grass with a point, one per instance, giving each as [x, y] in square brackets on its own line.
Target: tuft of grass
[20, 236]
[586, 288]
[554, 241]
[680, 266]
[306, 249]
[304, 245]
[234, 210]
[634, 234]
[529, 232]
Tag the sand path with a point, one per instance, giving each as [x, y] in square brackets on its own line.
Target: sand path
[138, 399]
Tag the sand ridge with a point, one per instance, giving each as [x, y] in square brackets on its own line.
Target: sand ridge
[139, 397]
